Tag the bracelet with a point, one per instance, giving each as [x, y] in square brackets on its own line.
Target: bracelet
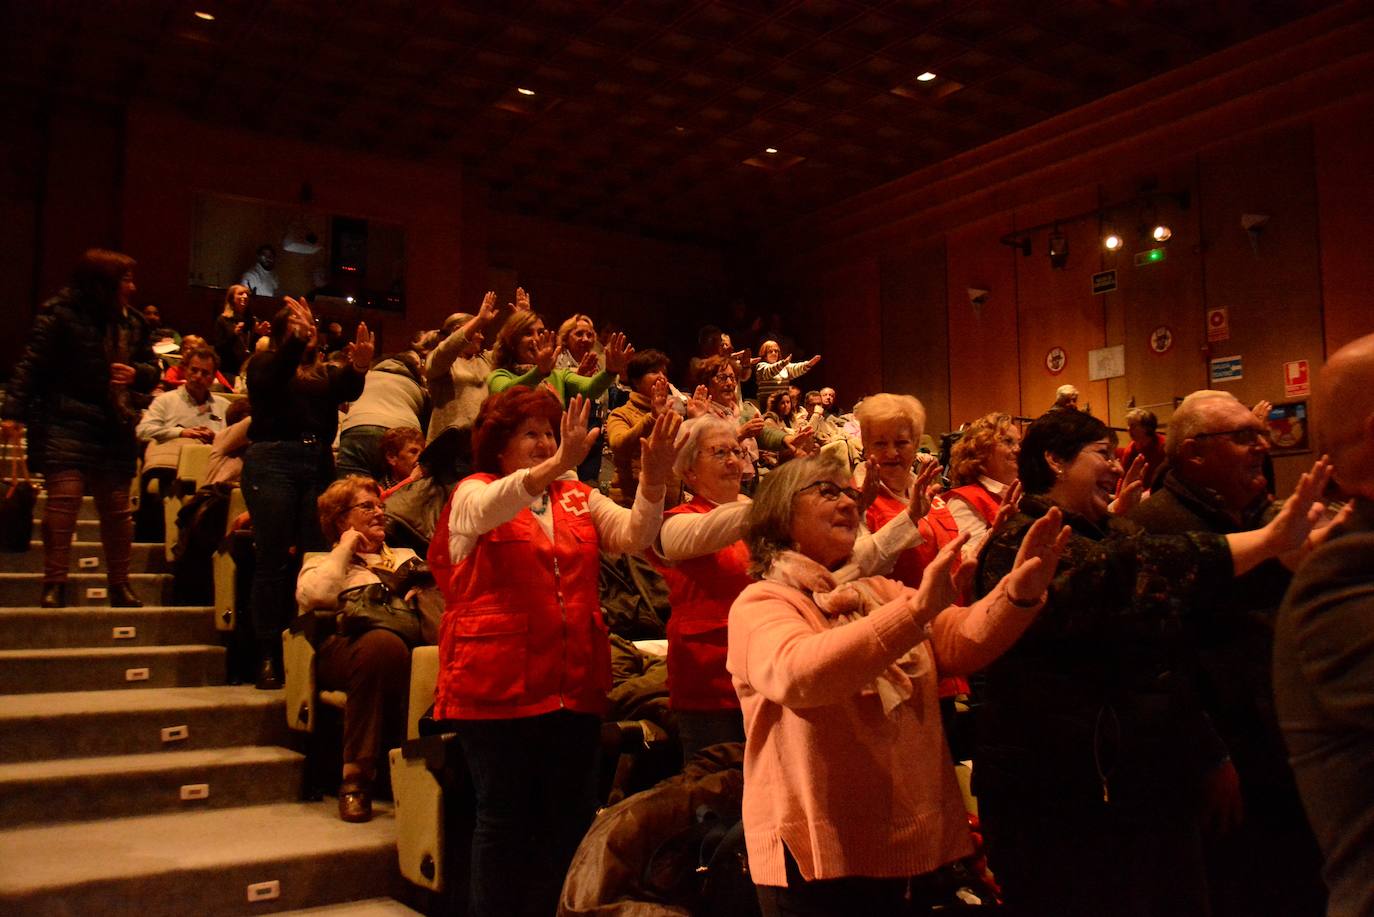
[1038, 600]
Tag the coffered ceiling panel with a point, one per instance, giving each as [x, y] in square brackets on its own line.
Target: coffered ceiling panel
[635, 115]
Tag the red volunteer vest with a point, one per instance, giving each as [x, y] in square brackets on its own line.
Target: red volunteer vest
[701, 591]
[980, 498]
[522, 632]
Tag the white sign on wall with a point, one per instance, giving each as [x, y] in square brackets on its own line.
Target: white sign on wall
[1107, 362]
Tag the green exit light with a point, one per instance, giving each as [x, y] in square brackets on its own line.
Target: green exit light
[1153, 256]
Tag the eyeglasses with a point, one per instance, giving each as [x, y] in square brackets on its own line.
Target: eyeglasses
[724, 377]
[367, 506]
[830, 491]
[721, 454]
[1241, 436]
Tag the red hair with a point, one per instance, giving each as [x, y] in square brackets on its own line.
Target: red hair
[501, 415]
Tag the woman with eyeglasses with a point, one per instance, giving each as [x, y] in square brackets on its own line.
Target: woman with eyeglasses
[982, 468]
[1092, 749]
[702, 556]
[848, 786]
[373, 666]
[524, 653]
[720, 376]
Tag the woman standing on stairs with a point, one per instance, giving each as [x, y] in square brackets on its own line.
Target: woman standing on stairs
[295, 400]
[80, 387]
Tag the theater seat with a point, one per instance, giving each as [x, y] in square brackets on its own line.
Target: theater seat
[417, 782]
[298, 643]
[193, 464]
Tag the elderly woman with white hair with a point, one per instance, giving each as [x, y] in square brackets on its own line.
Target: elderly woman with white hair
[848, 786]
[704, 561]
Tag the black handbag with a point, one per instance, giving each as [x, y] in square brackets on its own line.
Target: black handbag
[365, 608]
[16, 506]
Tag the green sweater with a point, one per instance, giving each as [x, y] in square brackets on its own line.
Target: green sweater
[564, 382]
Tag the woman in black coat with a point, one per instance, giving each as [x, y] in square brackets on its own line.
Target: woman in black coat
[80, 387]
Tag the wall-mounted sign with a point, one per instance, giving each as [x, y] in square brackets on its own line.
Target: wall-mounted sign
[1107, 362]
[1055, 360]
[1218, 324]
[1227, 369]
[1161, 339]
[1150, 256]
[1297, 382]
[1104, 282]
[1287, 425]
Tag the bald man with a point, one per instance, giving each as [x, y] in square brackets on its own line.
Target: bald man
[1261, 857]
[1324, 645]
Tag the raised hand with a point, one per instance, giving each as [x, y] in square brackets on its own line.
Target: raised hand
[803, 442]
[1132, 486]
[1261, 410]
[923, 491]
[589, 365]
[360, 351]
[700, 402]
[813, 361]
[938, 590]
[1037, 558]
[873, 479]
[522, 300]
[658, 396]
[1011, 502]
[301, 323]
[575, 439]
[545, 352]
[618, 353]
[660, 448]
[487, 311]
[121, 374]
[1289, 530]
[751, 427]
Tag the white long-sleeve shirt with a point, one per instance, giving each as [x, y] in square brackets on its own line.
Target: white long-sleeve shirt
[687, 535]
[478, 507]
[969, 519]
[173, 411]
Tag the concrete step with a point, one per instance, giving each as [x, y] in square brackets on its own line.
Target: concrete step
[88, 557]
[372, 907]
[89, 530]
[81, 789]
[40, 628]
[72, 724]
[18, 590]
[201, 863]
[87, 510]
[93, 668]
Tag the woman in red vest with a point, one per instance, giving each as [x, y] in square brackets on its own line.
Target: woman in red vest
[702, 556]
[524, 653]
[891, 427]
[982, 466]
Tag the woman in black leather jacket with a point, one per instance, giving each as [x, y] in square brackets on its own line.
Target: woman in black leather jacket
[80, 387]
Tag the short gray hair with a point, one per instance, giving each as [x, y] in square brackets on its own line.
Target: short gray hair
[769, 531]
[1190, 418]
[697, 430]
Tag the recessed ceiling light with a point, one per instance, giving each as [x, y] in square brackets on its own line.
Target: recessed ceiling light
[926, 77]
[208, 17]
[523, 91]
[770, 149]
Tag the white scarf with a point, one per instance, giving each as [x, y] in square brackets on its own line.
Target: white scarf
[843, 596]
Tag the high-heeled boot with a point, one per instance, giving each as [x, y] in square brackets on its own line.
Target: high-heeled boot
[122, 596]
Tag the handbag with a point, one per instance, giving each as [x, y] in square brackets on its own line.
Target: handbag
[16, 506]
[365, 608]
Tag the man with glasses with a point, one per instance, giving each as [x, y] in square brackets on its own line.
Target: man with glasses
[1261, 856]
[189, 411]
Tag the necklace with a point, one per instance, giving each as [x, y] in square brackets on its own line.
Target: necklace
[542, 506]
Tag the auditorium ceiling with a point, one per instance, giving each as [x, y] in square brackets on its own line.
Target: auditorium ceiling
[651, 116]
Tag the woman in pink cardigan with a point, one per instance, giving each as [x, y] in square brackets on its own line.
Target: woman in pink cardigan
[848, 786]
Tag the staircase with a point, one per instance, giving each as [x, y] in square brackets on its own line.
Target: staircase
[133, 780]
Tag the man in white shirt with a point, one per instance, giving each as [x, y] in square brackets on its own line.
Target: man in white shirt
[189, 411]
[260, 278]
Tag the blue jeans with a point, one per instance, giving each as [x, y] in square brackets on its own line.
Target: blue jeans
[535, 783]
[281, 483]
[360, 452]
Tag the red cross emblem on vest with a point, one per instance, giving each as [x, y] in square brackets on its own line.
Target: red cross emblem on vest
[574, 503]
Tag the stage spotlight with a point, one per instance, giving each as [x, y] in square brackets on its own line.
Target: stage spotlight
[1161, 233]
[1059, 249]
